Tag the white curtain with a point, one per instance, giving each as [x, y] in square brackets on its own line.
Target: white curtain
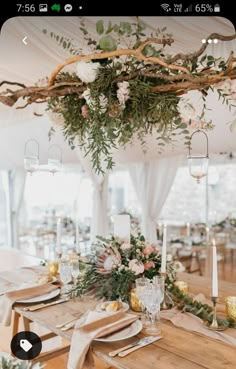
[14, 184]
[152, 182]
[99, 226]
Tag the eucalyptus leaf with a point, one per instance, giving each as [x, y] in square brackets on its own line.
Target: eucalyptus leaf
[100, 27]
[107, 43]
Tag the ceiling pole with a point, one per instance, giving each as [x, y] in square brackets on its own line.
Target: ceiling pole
[9, 218]
[206, 200]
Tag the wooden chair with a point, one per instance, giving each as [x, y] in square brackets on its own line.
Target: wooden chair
[189, 260]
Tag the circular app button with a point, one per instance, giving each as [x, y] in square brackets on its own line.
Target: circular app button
[26, 345]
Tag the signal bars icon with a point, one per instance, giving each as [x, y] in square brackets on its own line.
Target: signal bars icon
[189, 8]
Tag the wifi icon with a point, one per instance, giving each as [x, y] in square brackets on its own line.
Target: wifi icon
[166, 7]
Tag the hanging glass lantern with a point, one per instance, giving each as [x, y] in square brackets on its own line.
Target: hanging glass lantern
[31, 156]
[198, 165]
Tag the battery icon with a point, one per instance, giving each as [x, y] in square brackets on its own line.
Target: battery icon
[217, 8]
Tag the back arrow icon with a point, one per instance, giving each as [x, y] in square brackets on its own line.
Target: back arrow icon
[24, 40]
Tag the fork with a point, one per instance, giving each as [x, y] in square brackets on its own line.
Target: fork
[68, 326]
[66, 323]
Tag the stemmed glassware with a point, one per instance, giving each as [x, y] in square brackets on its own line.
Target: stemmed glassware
[75, 271]
[151, 298]
[141, 284]
[159, 281]
[65, 274]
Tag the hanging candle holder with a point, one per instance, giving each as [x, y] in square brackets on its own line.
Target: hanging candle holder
[198, 165]
[54, 158]
[31, 156]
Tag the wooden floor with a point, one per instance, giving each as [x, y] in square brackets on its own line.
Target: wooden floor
[61, 361]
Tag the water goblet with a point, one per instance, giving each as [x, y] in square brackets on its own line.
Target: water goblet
[151, 300]
[159, 281]
[141, 283]
[65, 274]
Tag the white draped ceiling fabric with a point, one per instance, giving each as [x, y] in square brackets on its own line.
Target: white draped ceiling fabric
[99, 226]
[36, 60]
[152, 181]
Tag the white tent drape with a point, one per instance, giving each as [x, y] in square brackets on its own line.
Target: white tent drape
[99, 225]
[14, 184]
[152, 182]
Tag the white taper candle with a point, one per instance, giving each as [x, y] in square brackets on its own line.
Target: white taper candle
[58, 243]
[214, 270]
[77, 237]
[163, 254]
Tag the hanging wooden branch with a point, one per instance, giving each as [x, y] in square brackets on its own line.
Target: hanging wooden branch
[120, 93]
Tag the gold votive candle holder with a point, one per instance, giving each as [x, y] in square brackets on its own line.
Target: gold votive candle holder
[52, 266]
[135, 303]
[230, 307]
[182, 286]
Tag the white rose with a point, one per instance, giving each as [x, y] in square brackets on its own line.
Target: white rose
[87, 71]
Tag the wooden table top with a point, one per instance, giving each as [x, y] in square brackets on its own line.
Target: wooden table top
[11, 259]
[178, 349]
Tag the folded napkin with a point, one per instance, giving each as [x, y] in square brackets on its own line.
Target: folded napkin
[191, 322]
[10, 298]
[96, 325]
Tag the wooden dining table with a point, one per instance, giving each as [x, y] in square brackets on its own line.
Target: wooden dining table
[178, 349]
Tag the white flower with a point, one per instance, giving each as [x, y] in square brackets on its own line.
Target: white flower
[125, 246]
[178, 266]
[103, 103]
[87, 71]
[87, 96]
[91, 102]
[123, 92]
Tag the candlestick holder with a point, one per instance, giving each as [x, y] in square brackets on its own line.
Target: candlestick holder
[215, 324]
[59, 254]
[167, 302]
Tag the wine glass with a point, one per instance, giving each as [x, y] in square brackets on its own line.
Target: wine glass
[159, 281]
[75, 271]
[141, 283]
[151, 300]
[65, 274]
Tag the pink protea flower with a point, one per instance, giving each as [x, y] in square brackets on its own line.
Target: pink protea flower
[148, 265]
[148, 249]
[136, 266]
[108, 260]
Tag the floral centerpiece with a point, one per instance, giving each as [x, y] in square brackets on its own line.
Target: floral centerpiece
[115, 265]
[126, 87]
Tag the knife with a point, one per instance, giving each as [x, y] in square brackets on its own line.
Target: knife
[116, 352]
[40, 306]
[143, 342]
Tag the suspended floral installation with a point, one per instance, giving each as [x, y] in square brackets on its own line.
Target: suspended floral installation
[116, 95]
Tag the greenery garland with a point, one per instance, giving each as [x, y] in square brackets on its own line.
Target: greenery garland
[129, 87]
[186, 303]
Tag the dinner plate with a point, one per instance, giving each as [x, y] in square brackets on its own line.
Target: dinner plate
[125, 307]
[42, 298]
[124, 333]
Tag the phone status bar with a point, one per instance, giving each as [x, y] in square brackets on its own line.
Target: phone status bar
[103, 8]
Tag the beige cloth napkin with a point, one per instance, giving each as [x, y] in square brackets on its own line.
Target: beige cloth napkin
[8, 300]
[96, 325]
[191, 322]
